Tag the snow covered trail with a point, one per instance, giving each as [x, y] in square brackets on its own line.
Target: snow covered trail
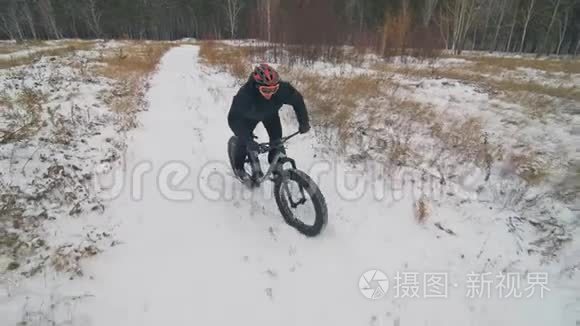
[230, 259]
[213, 261]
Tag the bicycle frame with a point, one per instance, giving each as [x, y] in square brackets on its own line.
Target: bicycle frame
[276, 166]
[284, 178]
[276, 169]
[277, 162]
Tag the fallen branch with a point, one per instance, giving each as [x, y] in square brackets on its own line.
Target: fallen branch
[10, 135]
[29, 159]
[441, 227]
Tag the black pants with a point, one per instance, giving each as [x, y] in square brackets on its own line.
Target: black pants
[244, 129]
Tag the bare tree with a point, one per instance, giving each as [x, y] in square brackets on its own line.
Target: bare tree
[444, 28]
[556, 5]
[92, 17]
[428, 10]
[6, 28]
[463, 13]
[485, 26]
[12, 22]
[269, 19]
[503, 25]
[502, 10]
[47, 12]
[529, 13]
[267, 9]
[29, 19]
[355, 12]
[232, 9]
[563, 22]
[514, 20]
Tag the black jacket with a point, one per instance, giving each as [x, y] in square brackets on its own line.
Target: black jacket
[249, 104]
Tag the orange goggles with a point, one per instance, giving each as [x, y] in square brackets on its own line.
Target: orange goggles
[269, 90]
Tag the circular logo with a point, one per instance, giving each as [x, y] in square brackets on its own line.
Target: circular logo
[373, 284]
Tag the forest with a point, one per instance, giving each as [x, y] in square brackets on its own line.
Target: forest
[521, 26]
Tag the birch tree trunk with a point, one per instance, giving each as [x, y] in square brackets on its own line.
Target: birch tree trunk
[45, 7]
[16, 23]
[508, 45]
[29, 20]
[485, 26]
[547, 37]
[6, 27]
[463, 15]
[529, 14]
[232, 9]
[503, 8]
[93, 17]
[562, 30]
[269, 19]
[428, 10]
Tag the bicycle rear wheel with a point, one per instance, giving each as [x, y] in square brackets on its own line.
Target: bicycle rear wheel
[246, 178]
[231, 154]
[291, 190]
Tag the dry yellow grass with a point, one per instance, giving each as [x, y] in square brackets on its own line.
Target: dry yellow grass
[569, 93]
[133, 60]
[422, 210]
[399, 149]
[529, 167]
[334, 100]
[25, 121]
[549, 65]
[536, 106]
[337, 109]
[6, 102]
[465, 138]
[130, 66]
[6, 48]
[70, 47]
[30, 99]
[481, 76]
[234, 60]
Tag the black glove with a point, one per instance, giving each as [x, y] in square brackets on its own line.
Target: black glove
[276, 142]
[304, 128]
[252, 146]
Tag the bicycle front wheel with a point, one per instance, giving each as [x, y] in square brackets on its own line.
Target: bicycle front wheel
[300, 201]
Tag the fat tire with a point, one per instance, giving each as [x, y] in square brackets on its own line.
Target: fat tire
[231, 146]
[315, 196]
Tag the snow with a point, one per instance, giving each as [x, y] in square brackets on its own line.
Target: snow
[29, 50]
[48, 172]
[193, 247]
[25, 53]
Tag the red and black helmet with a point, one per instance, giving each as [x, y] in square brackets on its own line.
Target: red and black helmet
[265, 75]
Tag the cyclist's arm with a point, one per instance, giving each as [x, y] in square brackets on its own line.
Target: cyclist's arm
[294, 98]
[236, 119]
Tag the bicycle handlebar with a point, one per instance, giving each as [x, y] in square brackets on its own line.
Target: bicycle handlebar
[285, 139]
[265, 147]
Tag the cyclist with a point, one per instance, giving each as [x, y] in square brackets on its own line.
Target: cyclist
[259, 100]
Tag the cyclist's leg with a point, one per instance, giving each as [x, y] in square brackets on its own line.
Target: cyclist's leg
[243, 129]
[274, 129]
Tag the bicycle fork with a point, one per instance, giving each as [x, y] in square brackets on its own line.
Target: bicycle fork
[291, 200]
[282, 159]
